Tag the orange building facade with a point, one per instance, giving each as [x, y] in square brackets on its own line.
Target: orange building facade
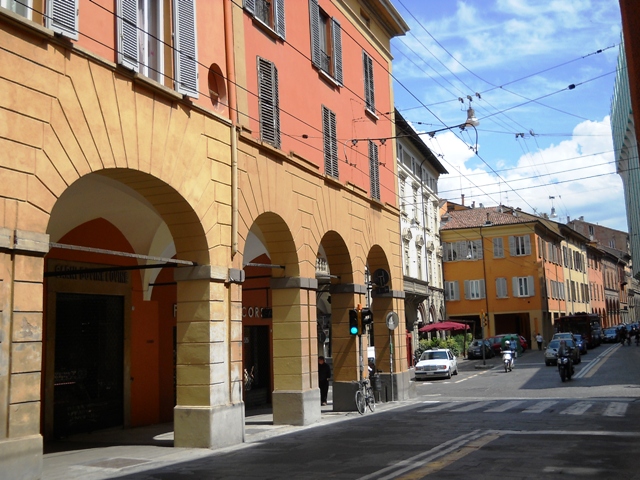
[504, 265]
[159, 157]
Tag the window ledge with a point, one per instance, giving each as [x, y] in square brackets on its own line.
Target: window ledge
[371, 114]
[266, 28]
[328, 78]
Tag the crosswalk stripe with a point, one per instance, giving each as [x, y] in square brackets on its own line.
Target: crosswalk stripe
[540, 406]
[506, 406]
[437, 408]
[616, 409]
[577, 408]
[473, 406]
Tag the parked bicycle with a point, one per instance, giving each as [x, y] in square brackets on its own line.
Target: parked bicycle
[364, 396]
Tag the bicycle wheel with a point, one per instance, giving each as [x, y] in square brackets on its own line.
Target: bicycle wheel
[371, 400]
[360, 402]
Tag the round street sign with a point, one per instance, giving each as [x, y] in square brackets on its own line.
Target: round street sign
[392, 320]
[381, 277]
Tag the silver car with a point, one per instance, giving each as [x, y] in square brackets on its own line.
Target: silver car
[437, 364]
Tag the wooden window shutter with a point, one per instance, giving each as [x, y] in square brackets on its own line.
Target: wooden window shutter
[250, 6]
[512, 245]
[374, 170]
[269, 110]
[527, 245]
[466, 289]
[531, 289]
[314, 21]
[478, 248]
[369, 96]
[127, 20]
[279, 26]
[515, 285]
[336, 38]
[330, 142]
[186, 51]
[456, 290]
[483, 292]
[62, 17]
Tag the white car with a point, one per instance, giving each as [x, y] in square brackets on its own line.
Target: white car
[436, 363]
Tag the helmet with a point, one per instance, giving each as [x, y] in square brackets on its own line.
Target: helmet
[507, 343]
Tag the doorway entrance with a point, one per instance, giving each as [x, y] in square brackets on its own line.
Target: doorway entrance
[89, 363]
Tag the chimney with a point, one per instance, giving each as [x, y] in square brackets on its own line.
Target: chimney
[473, 204]
[462, 196]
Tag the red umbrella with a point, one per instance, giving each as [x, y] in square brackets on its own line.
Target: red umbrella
[444, 326]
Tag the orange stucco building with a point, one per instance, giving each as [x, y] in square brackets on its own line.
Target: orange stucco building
[159, 157]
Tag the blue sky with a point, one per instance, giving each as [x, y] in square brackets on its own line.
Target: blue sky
[516, 59]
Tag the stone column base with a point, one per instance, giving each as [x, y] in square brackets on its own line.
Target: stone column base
[344, 396]
[292, 407]
[21, 457]
[403, 387]
[208, 427]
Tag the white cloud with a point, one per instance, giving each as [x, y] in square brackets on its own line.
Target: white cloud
[579, 172]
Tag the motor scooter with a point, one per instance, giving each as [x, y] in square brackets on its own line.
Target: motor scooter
[565, 367]
[507, 359]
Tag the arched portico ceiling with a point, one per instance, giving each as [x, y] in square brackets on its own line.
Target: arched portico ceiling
[153, 217]
[338, 257]
[270, 229]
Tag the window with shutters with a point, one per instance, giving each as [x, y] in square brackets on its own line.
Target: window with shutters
[474, 289]
[141, 43]
[374, 170]
[269, 13]
[326, 42]
[498, 248]
[21, 7]
[451, 291]
[369, 90]
[61, 16]
[330, 142]
[523, 286]
[450, 253]
[268, 103]
[519, 246]
[501, 287]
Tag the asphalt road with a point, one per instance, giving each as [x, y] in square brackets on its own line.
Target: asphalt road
[482, 424]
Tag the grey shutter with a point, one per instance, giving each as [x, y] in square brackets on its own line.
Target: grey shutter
[447, 288]
[456, 290]
[527, 245]
[466, 289]
[186, 52]
[62, 17]
[369, 97]
[330, 142]
[515, 286]
[279, 26]
[128, 34]
[478, 247]
[314, 21]
[374, 172]
[483, 292]
[268, 102]
[250, 6]
[512, 245]
[531, 289]
[336, 41]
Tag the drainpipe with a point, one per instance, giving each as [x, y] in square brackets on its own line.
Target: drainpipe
[233, 114]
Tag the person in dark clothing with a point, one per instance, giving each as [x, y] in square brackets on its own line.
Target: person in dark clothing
[324, 374]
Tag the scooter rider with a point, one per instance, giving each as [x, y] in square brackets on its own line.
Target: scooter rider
[508, 353]
[565, 351]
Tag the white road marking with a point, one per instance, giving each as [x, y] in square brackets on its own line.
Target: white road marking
[616, 409]
[577, 408]
[540, 406]
[504, 407]
[473, 406]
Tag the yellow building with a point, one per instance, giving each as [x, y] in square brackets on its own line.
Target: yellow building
[495, 265]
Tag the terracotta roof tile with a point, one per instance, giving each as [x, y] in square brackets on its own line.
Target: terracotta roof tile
[475, 217]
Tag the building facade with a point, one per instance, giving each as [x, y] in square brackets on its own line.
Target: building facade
[418, 173]
[494, 264]
[151, 165]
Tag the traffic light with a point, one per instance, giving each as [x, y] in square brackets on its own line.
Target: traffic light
[354, 323]
[367, 317]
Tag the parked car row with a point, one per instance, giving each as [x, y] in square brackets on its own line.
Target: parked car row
[497, 342]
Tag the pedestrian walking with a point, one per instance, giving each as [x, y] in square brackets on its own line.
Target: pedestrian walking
[324, 374]
[539, 340]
